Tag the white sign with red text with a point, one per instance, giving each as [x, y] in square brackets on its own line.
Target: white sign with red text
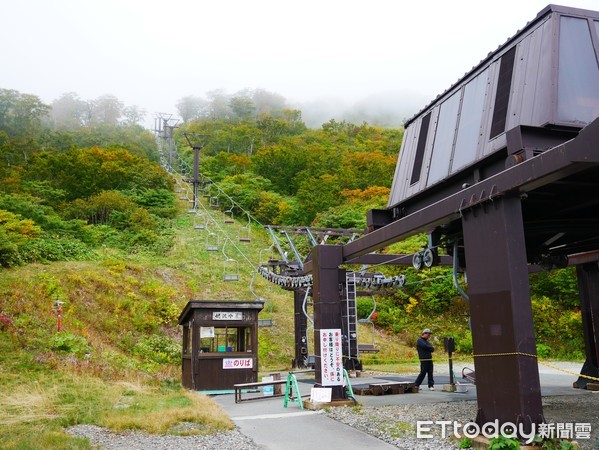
[331, 360]
[238, 363]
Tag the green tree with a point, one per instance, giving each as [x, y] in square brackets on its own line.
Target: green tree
[316, 195]
[21, 114]
[106, 110]
[14, 234]
[133, 115]
[191, 107]
[242, 106]
[68, 111]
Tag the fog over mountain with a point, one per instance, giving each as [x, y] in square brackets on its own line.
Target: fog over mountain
[387, 109]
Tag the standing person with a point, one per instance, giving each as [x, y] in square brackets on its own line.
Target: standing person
[425, 354]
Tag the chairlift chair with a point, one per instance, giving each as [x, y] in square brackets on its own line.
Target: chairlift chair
[212, 242]
[199, 223]
[214, 202]
[193, 208]
[230, 266]
[245, 237]
[229, 216]
[369, 348]
[231, 270]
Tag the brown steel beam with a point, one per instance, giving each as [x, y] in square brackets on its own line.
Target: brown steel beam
[501, 312]
[583, 258]
[588, 286]
[300, 328]
[327, 279]
[564, 160]
[383, 259]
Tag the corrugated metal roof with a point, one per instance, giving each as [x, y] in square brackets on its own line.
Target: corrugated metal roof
[549, 9]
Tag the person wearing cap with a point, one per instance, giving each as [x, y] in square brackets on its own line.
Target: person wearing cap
[425, 354]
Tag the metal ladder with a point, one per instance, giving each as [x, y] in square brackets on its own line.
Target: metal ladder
[349, 322]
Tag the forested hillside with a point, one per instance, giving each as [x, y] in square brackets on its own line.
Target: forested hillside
[89, 218]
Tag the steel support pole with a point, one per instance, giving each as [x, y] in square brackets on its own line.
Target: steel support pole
[196, 176]
[301, 327]
[507, 376]
[588, 286]
[170, 146]
[327, 282]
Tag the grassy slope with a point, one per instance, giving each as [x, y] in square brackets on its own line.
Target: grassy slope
[114, 303]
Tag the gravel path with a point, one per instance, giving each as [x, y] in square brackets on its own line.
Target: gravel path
[135, 440]
[396, 424]
[392, 424]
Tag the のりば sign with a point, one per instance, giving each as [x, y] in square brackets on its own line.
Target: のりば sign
[238, 363]
[331, 362]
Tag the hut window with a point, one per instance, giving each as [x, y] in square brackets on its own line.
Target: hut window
[502, 96]
[471, 115]
[441, 155]
[578, 73]
[226, 339]
[420, 149]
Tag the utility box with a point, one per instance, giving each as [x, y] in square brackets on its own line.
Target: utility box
[220, 344]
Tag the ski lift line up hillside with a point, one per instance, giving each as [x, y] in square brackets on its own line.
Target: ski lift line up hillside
[230, 199]
[186, 170]
[217, 225]
[212, 241]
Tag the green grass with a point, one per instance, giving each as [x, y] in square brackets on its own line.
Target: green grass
[36, 397]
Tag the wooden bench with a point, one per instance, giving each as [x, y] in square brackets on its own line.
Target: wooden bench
[239, 388]
[367, 348]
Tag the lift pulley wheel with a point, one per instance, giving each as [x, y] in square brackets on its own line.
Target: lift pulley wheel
[428, 258]
[417, 261]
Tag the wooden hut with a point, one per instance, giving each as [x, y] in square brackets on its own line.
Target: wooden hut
[220, 343]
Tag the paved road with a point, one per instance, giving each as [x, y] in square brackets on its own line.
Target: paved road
[273, 426]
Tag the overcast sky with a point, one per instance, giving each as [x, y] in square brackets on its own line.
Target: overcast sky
[151, 53]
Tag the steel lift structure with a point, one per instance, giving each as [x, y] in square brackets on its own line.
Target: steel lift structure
[502, 170]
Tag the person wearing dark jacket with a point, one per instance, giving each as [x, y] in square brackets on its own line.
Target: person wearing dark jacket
[425, 354]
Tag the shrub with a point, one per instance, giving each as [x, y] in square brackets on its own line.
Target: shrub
[70, 343]
[158, 348]
[465, 443]
[503, 443]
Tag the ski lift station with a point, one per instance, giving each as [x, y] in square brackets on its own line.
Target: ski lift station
[502, 172]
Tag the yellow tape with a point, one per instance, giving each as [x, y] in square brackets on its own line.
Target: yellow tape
[568, 371]
[543, 363]
[506, 354]
[530, 355]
